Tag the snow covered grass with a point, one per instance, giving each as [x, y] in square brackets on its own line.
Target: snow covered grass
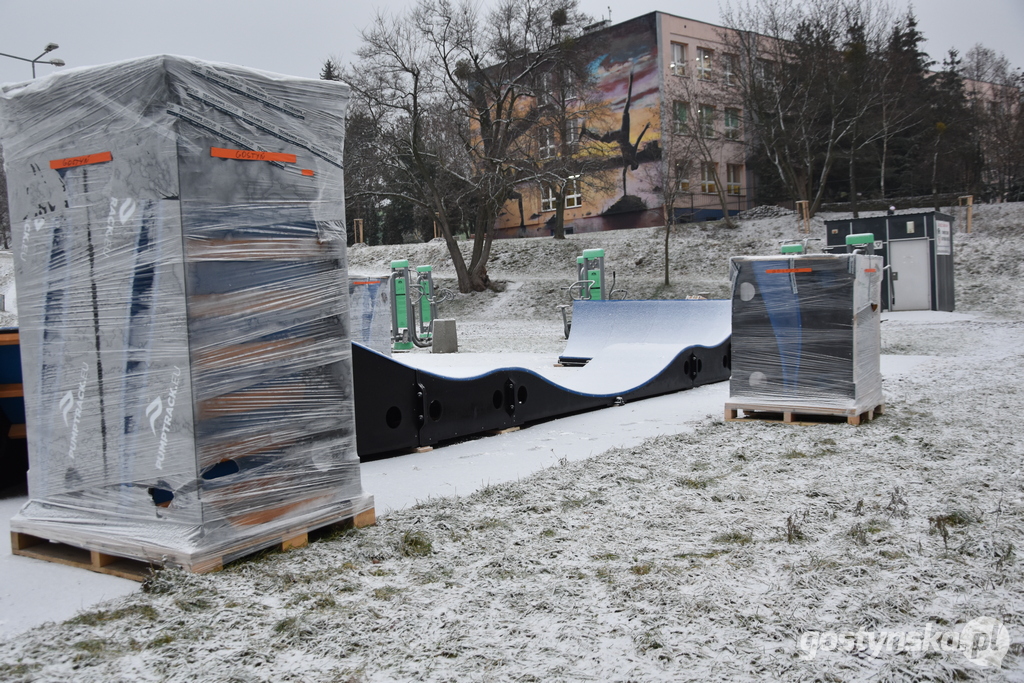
[700, 556]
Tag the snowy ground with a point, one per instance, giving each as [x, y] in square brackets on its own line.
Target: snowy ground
[702, 553]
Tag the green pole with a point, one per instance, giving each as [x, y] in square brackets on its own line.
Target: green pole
[593, 263]
[399, 306]
[426, 284]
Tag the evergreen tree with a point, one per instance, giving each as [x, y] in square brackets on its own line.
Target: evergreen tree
[330, 71]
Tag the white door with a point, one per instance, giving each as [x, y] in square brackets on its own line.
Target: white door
[910, 275]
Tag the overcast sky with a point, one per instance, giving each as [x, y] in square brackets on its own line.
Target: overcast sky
[295, 37]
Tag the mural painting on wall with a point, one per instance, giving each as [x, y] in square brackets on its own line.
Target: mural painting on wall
[624, 67]
[627, 78]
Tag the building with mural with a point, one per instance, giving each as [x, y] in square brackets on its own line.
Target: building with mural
[659, 125]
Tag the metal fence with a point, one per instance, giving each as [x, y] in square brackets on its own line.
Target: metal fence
[693, 207]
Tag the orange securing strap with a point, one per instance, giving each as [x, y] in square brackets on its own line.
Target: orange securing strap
[307, 171]
[251, 155]
[788, 270]
[366, 282]
[870, 270]
[72, 162]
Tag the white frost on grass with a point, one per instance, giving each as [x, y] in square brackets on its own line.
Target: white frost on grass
[697, 556]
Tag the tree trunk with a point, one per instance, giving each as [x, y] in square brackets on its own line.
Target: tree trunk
[885, 152]
[668, 227]
[483, 236]
[458, 262]
[558, 229]
[853, 187]
[522, 214]
[723, 199]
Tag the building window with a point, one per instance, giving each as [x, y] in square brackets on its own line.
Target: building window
[573, 193]
[678, 65]
[733, 173]
[707, 177]
[766, 71]
[682, 177]
[546, 88]
[680, 117]
[546, 142]
[704, 63]
[547, 198]
[732, 123]
[706, 120]
[572, 134]
[730, 69]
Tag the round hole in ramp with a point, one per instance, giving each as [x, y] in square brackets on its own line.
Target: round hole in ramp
[747, 291]
[686, 367]
[700, 365]
[497, 400]
[758, 379]
[522, 394]
[435, 410]
[393, 417]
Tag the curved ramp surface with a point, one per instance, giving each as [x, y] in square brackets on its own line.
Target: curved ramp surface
[399, 407]
[597, 325]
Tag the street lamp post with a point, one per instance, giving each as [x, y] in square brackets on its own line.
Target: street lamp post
[50, 47]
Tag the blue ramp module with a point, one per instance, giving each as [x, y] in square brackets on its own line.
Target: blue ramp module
[597, 325]
[399, 407]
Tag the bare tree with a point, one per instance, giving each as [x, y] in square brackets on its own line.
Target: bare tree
[670, 180]
[795, 82]
[563, 156]
[994, 90]
[453, 90]
[698, 136]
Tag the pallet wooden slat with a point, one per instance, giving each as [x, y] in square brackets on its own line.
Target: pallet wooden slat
[788, 414]
[11, 391]
[36, 547]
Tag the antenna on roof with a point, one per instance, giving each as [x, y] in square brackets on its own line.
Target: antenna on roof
[609, 14]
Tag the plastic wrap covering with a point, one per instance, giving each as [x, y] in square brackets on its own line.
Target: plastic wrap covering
[805, 331]
[370, 307]
[180, 263]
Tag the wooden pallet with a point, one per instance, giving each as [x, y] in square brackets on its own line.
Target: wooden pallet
[504, 430]
[40, 548]
[797, 414]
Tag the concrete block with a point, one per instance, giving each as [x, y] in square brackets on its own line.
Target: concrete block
[445, 338]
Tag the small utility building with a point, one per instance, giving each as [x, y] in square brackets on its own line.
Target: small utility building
[918, 252]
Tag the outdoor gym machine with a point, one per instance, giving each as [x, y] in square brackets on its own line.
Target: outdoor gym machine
[413, 305]
[590, 284]
[797, 246]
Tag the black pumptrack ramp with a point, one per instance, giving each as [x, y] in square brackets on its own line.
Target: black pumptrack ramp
[399, 407]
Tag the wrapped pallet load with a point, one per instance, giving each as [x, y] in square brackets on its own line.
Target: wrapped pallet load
[179, 242]
[806, 336]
